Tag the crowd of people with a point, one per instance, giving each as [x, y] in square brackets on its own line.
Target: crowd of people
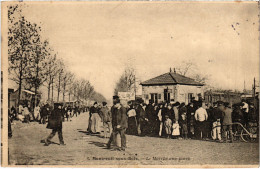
[41, 113]
[196, 120]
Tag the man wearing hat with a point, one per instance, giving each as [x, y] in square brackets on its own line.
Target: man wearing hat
[227, 123]
[119, 123]
[141, 116]
[55, 123]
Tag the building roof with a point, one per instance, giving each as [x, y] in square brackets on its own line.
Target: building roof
[171, 78]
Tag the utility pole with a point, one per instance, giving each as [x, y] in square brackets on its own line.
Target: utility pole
[135, 86]
[254, 93]
[244, 86]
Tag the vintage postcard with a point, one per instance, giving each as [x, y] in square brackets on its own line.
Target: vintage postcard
[130, 84]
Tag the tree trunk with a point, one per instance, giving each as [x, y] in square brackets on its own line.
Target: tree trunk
[52, 90]
[36, 85]
[64, 89]
[19, 91]
[49, 90]
[58, 97]
[20, 82]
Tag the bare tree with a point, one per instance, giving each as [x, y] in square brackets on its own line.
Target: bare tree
[60, 72]
[23, 46]
[126, 81]
[37, 74]
[51, 72]
[70, 84]
[67, 77]
[185, 67]
[88, 90]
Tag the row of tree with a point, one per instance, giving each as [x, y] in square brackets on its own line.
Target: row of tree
[34, 63]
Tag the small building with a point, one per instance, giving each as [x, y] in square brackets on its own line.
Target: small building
[171, 86]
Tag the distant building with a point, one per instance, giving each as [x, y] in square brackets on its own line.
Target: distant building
[27, 97]
[171, 86]
[212, 96]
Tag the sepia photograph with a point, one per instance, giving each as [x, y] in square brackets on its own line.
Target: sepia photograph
[130, 84]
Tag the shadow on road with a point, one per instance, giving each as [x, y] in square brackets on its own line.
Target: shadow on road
[103, 145]
[85, 132]
[91, 134]
[51, 142]
[98, 144]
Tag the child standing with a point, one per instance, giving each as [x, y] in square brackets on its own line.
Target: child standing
[168, 126]
[176, 129]
[184, 126]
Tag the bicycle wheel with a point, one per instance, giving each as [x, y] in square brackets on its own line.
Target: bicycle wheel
[252, 137]
[245, 136]
[236, 136]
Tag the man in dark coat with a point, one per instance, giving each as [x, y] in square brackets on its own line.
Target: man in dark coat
[151, 116]
[142, 119]
[44, 111]
[55, 123]
[217, 118]
[119, 124]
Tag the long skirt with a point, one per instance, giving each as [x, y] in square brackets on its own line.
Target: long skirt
[95, 123]
[132, 126]
[161, 128]
[87, 119]
[37, 116]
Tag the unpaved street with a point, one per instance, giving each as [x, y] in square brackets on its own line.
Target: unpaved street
[82, 149]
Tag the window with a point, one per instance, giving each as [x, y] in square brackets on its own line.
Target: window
[190, 96]
[154, 97]
[159, 96]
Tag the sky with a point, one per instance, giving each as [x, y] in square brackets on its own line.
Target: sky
[97, 40]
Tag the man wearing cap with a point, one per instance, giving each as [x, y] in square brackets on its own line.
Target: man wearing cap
[55, 123]
[227, 122]
[119, 123]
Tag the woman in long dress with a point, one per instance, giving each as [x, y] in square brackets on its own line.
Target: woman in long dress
[132, 123]
[37, 113]
[95, 119]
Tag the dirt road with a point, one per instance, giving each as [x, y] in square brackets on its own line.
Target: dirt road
[82, 149]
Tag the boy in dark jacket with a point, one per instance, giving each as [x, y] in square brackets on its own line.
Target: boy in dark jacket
[183, 125]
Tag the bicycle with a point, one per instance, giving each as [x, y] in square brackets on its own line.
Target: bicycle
[247, 134]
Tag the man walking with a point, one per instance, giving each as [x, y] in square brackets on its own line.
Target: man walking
[55, 123]
[119, 124]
